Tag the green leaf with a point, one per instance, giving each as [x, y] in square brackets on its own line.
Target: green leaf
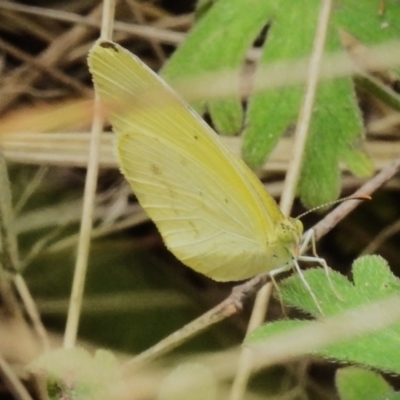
[271, 112]
[220, 41]
[335, 129]
[371, 21]
[355, 383]
[373, 281]
[189, 382]
[336, 122]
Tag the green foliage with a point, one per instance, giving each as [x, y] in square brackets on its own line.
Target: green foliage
[219, 41]
[355, 383]
[271, 112]
[371, 21]
[189, 382]
[335, 128]
[372, 281]
[336, 123]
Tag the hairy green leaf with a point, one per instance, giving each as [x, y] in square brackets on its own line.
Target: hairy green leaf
[372, 281]
[220, 41]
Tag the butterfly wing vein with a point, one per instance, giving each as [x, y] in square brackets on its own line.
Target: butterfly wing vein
[210, 209]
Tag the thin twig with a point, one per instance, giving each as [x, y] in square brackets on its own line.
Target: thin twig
[9, 245]
[303, 123]
[245, 363]
[47, 69]
[70, 149]
[230, 306]
[24, 76]
[13, 382]
[41, 245]
[32, 310]
[101, 231]
[146, 32]
[10, 260]
[78, 284]
[30, 189]
[136, 8]
[30, 27]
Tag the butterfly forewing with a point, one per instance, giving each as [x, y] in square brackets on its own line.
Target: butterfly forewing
[211, 210]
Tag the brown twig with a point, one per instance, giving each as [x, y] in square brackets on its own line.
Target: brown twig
[230, 306]
[47, 69]
[85, 231]
[24, 76]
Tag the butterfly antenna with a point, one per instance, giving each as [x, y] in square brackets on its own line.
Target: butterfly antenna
[362, 197]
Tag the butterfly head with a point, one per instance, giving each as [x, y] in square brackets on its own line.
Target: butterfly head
[290, 232]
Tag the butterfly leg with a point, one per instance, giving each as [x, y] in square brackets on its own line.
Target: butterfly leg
[272, 274]
[309, 237]
[307, 285]
[289, 266]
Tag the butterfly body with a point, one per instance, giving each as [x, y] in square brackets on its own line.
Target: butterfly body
[211, 210]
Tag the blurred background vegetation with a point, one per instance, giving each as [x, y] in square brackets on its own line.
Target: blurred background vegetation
[137, 293]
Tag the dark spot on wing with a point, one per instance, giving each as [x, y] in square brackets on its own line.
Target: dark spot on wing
[109, 45]
[155, 169]
[195, 137]
[226, 200]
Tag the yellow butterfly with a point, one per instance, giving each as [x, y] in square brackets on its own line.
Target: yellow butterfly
[211, 210]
